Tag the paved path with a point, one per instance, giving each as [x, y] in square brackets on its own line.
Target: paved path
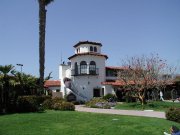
[156, 114]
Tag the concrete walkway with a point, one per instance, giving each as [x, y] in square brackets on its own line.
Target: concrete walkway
[148, 113]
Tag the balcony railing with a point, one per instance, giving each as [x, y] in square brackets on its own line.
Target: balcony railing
[81, 72]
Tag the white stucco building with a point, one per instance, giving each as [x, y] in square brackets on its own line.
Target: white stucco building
[84, 76]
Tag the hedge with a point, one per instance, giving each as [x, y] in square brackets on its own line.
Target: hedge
[31, 103]
[173, 114]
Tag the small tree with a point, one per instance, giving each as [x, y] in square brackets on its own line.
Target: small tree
[144, 73]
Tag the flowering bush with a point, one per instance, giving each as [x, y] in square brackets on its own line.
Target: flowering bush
[100, 103]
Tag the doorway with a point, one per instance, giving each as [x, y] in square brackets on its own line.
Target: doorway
[96, 93]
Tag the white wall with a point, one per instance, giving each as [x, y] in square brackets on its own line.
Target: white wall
[64, 71]
[53, 89]
[108, 89]
[86, 48]
[100, 63]
[86, 83]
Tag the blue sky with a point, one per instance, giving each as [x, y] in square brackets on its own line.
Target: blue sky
[124, 27]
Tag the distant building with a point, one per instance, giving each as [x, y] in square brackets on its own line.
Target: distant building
[52, 87]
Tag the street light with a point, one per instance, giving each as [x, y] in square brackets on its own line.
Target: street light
[21, 65]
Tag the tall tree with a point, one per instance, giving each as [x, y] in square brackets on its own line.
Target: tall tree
[42, 31]
[144, 73]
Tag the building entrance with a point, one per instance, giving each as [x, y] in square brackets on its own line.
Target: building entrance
[96, 93]
[71, 97]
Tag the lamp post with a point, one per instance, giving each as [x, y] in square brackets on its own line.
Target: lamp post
[21, 65]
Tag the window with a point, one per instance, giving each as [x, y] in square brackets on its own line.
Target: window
[112, 73]
[78, 50]
[75, 68]
[83, 67]
[57, 90]
[91, 48]
[95, 49]
[102, 91]
[92, 67]
[96, 92]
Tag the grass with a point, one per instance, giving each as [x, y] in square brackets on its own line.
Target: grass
[156, 105]
[79, 123]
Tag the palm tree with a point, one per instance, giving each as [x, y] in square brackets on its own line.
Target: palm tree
[27, 83]
[42, 27]
[5, 72]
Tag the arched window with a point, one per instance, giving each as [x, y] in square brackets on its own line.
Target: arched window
[75, 68]
[92, 68]
[83, 67]
[95, 49]
[91, 49]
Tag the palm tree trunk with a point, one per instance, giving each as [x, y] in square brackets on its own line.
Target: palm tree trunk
[42, 26]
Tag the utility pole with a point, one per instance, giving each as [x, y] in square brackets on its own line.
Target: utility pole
[21, 65]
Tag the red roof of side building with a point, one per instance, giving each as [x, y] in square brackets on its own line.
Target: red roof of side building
[89, 53]
[122, 83]
[116, 68]
[52, 83]
[116, 83]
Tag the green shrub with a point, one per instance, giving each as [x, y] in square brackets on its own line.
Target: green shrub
[78, 102]
[29, 104]
[128, 98]
[64, 106]
[152, 105]
[75, 102]
[58, 104]
[42, 98]
[93, 101]
[68, 106]
[173, 114]
[47, 104]
[99, 103]
[110, 97]
[56, 100]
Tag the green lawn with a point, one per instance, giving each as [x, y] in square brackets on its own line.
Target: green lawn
[156, 105]
[79, 123]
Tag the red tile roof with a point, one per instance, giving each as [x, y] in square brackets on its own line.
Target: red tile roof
[116, 68]
[87, 42]
[122, 83]
[88, 53]
[52, 83]
[116, 83]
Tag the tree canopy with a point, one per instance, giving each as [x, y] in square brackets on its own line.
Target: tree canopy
[144, 73]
